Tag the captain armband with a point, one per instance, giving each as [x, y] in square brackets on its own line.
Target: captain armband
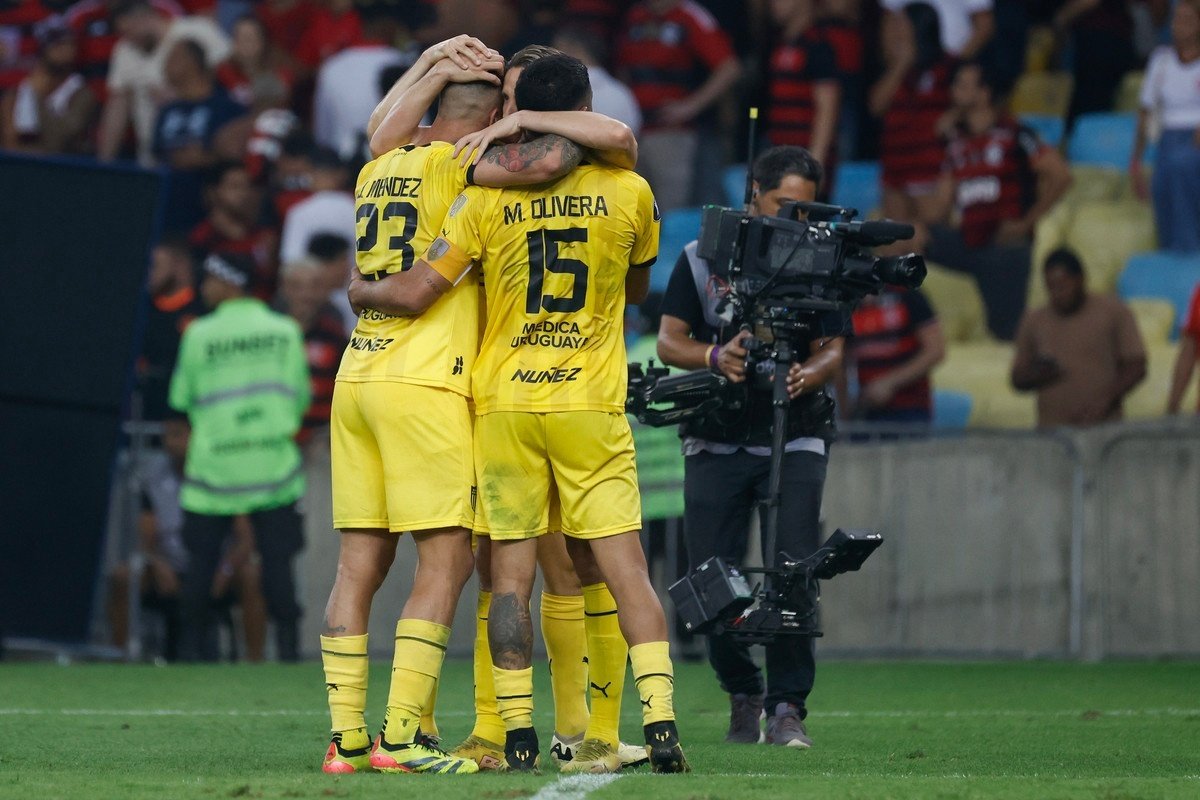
[448, 260]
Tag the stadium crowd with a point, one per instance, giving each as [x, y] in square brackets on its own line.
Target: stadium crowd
[979, 121]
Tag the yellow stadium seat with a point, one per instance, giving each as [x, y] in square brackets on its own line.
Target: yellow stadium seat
[1155, 319]
[1039, 49]
[955, 297]
[1149, 399]
[1129, 92]
[1094, 182]
[1105, 235]
[981, 369]
[1042, 93]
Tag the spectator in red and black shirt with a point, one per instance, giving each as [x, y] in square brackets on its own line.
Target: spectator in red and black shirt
[95, 26]
[912, 97]
[1001, 179]
[840, 24]
[232, 225]
[286, 21]
[331, 29]
[18, 39]
[601, 18]
[1189, 348]
[803, 93]
[303, 296]
[678, 62]
[174, 303]
[896, 344]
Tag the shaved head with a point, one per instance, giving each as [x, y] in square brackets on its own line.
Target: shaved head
[476, 101]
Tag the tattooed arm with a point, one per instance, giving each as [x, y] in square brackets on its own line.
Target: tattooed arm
[546, 158]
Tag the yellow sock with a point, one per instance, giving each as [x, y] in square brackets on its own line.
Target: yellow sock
[655, 680]
[607, 653]
[428, 723]
[514, 696]
[345, 660]
[420, 649]
[488, 723]
[566, 645]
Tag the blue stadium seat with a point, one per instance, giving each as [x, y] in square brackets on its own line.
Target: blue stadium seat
[857, 185]
[734, 181]
[951, 410]
[678, 228]
[1103, 139]
[1049, 128]
[1169, 276]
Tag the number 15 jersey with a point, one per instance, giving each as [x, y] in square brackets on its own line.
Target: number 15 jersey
[400, 198]
[553, 261]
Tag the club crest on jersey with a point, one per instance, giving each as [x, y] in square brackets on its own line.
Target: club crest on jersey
[438, 249]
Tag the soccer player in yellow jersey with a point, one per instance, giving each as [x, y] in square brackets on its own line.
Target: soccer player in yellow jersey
[401, 432]
[586, 652]
[549, 385]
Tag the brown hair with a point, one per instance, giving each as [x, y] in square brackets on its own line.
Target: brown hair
[527, 55]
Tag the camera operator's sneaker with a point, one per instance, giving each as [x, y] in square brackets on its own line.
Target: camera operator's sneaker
[420, 755]
[595, 756]
[562, 748]
[662, 746]
[745, 719]
[521, 751]
[786, 729]
[486, 754]
[341, 760]
[631, 755]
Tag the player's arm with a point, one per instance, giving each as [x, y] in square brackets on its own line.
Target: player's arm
[644, 252]
[611, 140]
[401, 122]
[546, 158]
[410, 293]
[463, 51]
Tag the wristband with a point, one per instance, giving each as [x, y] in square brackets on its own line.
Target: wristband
[714, 353]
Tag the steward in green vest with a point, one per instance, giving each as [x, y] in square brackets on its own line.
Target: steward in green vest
[242, 379]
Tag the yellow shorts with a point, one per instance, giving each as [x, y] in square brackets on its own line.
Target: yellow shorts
[401, 457]
[585, 458]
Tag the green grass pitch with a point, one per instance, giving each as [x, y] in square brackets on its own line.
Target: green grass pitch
[882, 730]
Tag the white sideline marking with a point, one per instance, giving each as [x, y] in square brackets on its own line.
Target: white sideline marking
[320, 712]
[573, 787]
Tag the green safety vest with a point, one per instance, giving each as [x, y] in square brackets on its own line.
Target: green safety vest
[242, 379]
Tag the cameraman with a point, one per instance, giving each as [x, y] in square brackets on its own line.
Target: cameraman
[727, 458]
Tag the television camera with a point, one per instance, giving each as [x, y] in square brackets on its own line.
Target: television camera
[780, 278]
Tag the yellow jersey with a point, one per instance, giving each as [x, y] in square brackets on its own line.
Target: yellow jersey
[401, 198]
[553, 261]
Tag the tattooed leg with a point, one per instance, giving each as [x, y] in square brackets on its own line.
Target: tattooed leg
[510, 629]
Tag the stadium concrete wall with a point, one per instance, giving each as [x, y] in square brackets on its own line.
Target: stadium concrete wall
[1082, 545]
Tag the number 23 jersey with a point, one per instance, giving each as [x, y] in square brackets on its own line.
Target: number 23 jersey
[553, 260]
[400, 199]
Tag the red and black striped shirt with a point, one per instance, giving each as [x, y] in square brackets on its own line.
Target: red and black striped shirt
[793, 71]
[994, 174]
[885, 337]
[260, 244]
[324, 343]
[910, 149]
[666, 58]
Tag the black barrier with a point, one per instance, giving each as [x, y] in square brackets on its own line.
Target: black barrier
[74, 245]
